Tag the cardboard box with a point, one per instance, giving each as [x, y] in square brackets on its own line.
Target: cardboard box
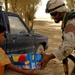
[26, 61]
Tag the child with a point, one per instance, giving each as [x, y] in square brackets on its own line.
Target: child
[4, 59]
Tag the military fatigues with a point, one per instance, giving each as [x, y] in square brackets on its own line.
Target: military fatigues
[68, 43]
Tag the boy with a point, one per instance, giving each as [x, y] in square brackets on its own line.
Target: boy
[4, 59]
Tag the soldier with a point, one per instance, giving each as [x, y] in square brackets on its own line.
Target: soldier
[58, 12]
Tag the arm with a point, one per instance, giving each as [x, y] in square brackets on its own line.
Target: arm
[66, 47]
[27, 72]
[68, 43]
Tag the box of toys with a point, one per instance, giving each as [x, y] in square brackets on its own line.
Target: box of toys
[26, 61]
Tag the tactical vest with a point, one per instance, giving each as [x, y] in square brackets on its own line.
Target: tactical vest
[69, 15]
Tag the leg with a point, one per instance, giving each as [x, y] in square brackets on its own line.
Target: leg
[65, 66]
[73, 70]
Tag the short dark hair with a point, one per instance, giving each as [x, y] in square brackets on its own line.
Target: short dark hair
[2, 28]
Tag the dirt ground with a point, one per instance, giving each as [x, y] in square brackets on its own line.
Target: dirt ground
[53, 31]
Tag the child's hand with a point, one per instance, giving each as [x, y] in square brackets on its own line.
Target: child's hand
[32, 72]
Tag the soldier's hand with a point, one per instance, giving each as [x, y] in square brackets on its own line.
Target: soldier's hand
[44, 61]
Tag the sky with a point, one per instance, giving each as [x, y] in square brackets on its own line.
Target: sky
[41, 10]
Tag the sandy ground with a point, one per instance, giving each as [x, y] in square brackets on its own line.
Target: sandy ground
[53, 31]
